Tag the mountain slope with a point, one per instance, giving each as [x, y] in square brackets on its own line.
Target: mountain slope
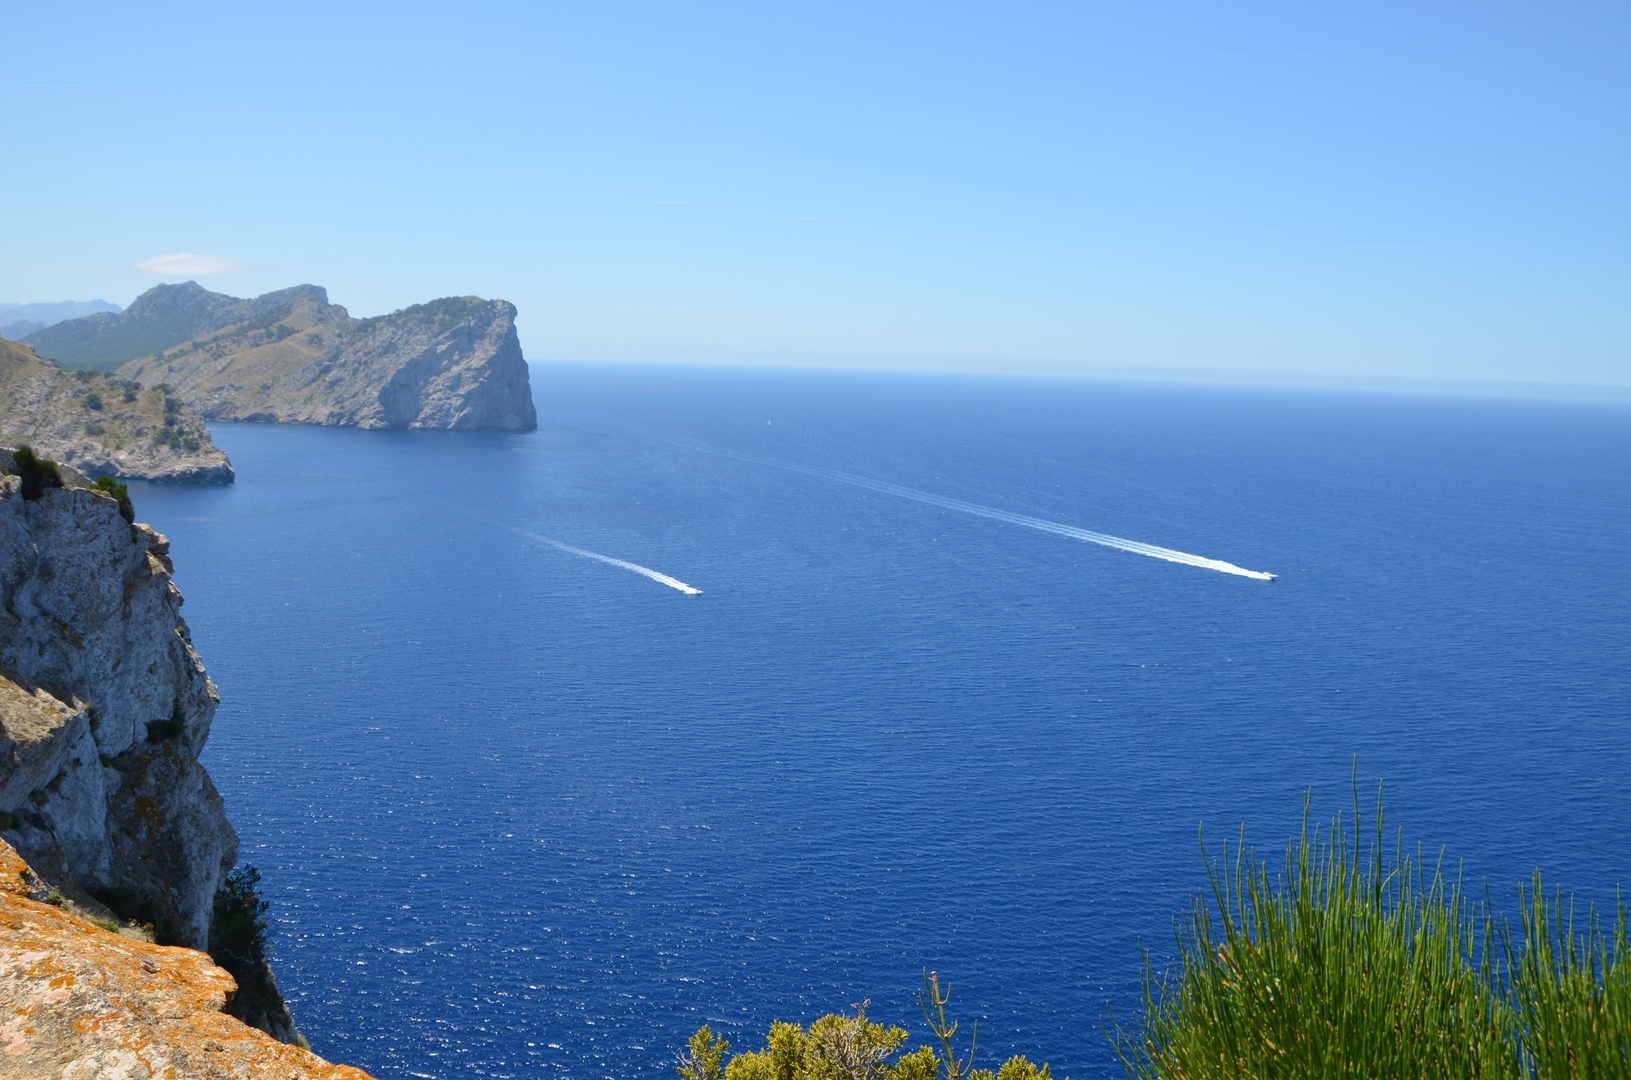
[161, 317]
[104, 426]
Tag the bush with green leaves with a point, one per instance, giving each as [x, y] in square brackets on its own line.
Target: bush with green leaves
[37, 473]
[844, 1047]
[238, 926]
[238, 942]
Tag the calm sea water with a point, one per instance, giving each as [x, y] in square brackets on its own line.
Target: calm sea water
[524, 813]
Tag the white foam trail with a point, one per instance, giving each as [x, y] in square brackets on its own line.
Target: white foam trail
[643, 571]
[1119, 543]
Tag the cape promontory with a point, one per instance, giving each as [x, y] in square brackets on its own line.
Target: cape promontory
[292, 357]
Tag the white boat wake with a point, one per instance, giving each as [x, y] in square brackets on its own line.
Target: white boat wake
[643, 571]
[1119, 543]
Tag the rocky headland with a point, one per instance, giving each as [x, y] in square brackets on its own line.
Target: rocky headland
[104, 709]
[105, 426]
[292, 357]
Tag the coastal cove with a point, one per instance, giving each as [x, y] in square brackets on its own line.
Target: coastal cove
[523, 813]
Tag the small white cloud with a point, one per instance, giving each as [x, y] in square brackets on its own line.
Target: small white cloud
[185, 264]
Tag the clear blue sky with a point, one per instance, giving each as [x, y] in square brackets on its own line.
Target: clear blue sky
[1412, 189]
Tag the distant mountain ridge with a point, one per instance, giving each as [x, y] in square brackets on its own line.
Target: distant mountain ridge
[292, 357]
[19, 320]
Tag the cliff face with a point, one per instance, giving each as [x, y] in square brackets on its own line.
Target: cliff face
[452, 364]
[105, 707]
[104, 426]
[85, 1002]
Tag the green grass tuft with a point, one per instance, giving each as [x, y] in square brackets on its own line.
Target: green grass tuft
[1572, 992]
[1348, 965]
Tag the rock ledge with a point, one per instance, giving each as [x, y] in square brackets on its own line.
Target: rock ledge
[83, 1002]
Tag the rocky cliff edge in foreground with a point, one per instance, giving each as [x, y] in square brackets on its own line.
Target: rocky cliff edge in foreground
[105, 708]
[81, 1001]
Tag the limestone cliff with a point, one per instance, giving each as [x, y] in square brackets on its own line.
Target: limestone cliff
[104, 426]
[105, 707]
[292, 357]
[79, 1000]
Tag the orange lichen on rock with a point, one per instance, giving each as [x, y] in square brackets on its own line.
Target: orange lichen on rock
[80, 1001]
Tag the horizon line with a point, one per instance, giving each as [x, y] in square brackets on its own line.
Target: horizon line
[1438, 386]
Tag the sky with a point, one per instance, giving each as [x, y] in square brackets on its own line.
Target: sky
[1410, 191]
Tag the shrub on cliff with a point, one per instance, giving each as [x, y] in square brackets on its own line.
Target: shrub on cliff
[119, 493]
[238, 925]
[37, 473]
[238, 933]
[238, 942]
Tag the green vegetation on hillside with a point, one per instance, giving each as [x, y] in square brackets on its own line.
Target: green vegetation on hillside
[119, 413]
[238, 926]
[446, 313]
[103, 341]
[160, 319]
[96, 422]
[1346, 965]
[17, 362]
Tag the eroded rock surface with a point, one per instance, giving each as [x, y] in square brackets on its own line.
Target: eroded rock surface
[84, 1003]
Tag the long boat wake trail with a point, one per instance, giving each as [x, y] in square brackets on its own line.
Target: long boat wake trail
[643, 571]
[1119, 543]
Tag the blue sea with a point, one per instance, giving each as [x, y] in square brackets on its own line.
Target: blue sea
[525, 812]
